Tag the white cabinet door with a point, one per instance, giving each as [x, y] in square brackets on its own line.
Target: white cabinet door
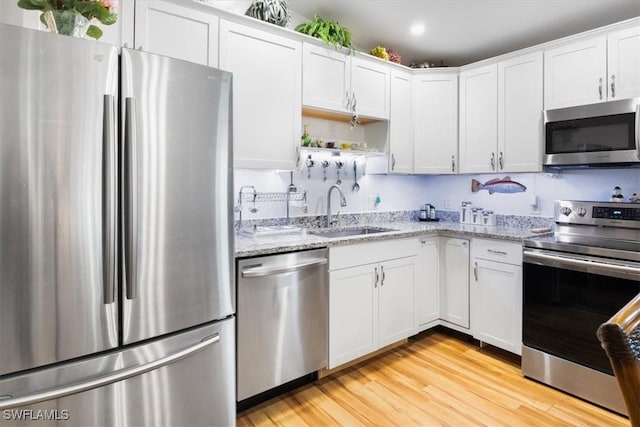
[435, 117]
[370, 87]
[333, 81]
[520, 124]
[497, 304]
[479, 119]
[454, 281]
[353, 313]
[171, 29]
[400, 123]
[427, 296]
[326, 82]
[267, 110]
[395, 301]
[623, 50]
[576, 74]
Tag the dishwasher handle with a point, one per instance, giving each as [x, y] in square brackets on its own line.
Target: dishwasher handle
[261, 271]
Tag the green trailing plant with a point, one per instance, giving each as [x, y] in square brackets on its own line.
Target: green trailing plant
[328, 31]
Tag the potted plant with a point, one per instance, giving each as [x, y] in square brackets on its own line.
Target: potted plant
[328, 31]
[273, 11]
[66, 16]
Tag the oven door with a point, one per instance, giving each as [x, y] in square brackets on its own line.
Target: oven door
[567, 297]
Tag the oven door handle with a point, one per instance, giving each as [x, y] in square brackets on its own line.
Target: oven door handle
[575, 263]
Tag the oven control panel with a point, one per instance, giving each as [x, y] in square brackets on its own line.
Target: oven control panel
[626, 215]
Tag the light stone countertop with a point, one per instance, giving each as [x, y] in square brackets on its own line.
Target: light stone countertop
[247, 246]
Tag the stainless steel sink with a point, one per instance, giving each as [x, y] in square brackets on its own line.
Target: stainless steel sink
[345, 232]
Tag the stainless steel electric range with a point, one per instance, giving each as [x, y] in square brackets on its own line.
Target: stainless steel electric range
[574, 281]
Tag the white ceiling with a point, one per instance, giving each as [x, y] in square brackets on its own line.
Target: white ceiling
[460, 32]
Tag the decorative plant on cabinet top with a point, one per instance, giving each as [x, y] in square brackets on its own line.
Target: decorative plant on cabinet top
[68, 16]
[328, 31]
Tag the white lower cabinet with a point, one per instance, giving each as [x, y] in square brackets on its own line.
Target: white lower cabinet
[454, 283]
[427, 300]
[371, 297]
[496, 293]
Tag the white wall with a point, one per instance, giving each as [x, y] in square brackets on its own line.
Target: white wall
[409, 192]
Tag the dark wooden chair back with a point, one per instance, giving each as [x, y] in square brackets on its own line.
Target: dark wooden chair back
[620, 339]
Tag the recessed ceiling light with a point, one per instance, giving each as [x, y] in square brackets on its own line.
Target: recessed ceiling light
[417, 29]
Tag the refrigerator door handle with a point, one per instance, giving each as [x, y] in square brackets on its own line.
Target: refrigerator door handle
[109, 201]
[130, 200]
[8, 401]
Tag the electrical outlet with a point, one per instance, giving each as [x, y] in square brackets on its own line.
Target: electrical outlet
[447, 202]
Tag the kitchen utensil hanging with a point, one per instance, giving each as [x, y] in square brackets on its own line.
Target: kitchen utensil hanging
[339, 165]
[355, 186]
[309, 162]
[325, 165]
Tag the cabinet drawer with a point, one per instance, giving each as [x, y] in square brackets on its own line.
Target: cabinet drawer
[371, 252]
[497, 250]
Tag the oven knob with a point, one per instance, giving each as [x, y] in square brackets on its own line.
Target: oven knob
[565, 210]
[582, 211]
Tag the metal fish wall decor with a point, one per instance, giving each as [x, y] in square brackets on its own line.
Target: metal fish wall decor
[497, 185]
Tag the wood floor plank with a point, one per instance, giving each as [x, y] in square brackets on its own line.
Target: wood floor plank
[436, 379]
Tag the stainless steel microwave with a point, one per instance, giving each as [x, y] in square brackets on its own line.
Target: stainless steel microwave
[603, 134]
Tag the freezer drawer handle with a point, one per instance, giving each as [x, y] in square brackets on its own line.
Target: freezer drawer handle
[131, 187]
[262, 272]
[109, 159]
[104, 380]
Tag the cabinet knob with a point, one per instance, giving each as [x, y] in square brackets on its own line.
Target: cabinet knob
[501, 161]
[383, 276]
[393, 161]
[453, 163]
[492, 162]
[475, 270]
[347, 101]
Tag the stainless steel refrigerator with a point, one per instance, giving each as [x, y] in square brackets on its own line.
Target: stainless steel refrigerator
[116, 244]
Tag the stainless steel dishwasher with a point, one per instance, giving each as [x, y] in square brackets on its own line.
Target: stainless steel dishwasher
[282, 319]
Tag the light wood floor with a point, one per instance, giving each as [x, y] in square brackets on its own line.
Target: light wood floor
[434, 380]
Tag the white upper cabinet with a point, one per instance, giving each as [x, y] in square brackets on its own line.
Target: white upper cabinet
[267, 110]
[623, 49]
[326, 78]
[478, 119]
[520, 127]
[435, 118]
[173, 29]
[599, 69]
[400, 123]
[576, 74]
[335, 81]
[370, 87]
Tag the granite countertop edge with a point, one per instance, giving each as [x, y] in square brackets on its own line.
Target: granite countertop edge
[246, 246]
